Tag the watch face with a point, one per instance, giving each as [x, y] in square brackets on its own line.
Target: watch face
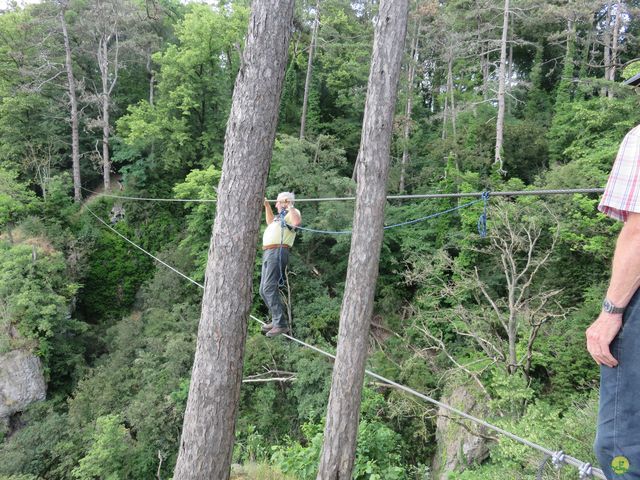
[607, 306]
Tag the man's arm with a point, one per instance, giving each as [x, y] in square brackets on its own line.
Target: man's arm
[625, 280]
[268, 213]
[295, 217]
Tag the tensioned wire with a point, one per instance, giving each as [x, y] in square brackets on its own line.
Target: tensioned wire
[482, 221]
[508, 193]
[585, 469]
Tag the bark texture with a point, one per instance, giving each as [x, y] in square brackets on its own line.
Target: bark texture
[307, 80]
[73, 100]
[109, 80]
[501, 88]
[406, 129]
[209, 423]
[343, 412]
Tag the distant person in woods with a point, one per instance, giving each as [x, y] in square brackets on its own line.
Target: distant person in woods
[278, 238]
[613, 340]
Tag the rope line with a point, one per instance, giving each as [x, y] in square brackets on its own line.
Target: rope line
[585, 469]
[143, 250]
[482, 221]
[395, 225]
[512, 193]
[152, 199]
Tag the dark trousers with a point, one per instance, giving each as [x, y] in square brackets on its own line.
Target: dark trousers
[274, 263]
[617, 444]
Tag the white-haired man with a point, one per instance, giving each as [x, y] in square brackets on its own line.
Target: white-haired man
[277, 239]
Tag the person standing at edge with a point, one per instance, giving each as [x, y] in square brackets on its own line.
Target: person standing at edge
[613, 340]
[277, 239]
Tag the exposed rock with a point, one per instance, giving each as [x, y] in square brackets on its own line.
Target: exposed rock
[457, 447]
[21, 382]
[117, 213]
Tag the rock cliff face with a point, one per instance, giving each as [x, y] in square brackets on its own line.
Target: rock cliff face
[457, 447]
[21, 382]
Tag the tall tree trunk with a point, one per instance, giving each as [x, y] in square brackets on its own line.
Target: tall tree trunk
[307, 80]
[103, 63]
[607, 43]
[152, 78]
[484, 59]
[106, 160]
[445, 112]
[406, 131]
[343, 411]
[207, 438]
[451, 92]
[73, 100]
[614, 45]
[510, 66]
[501, 89]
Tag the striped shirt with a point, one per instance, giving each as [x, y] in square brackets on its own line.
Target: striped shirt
[622, 194]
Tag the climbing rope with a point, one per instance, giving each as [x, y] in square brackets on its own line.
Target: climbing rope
[508, 193]
[283, 225]
[482, 221]
[402, 224]
[585, 469]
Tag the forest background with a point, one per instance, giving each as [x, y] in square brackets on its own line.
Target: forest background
[131, 97]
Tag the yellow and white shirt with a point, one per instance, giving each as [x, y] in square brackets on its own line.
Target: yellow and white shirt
[275, 233]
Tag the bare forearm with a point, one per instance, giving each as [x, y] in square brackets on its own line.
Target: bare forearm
[625, 272]
[268, 213]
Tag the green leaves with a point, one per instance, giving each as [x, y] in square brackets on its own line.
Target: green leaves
[186, 124]
[110, 453]
[16, 200]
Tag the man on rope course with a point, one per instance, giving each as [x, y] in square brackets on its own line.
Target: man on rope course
[277, 239]
[613, 340]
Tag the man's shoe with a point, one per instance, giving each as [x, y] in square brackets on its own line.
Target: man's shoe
[275, 331]
[266, 327]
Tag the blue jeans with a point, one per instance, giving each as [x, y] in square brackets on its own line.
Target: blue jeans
[274, 263]
[617, 444]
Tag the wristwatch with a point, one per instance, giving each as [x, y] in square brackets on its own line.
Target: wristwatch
[609, 307]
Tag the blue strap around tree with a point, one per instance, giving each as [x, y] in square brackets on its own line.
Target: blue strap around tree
[482, 221]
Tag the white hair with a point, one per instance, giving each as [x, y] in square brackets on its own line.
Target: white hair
[288, 196]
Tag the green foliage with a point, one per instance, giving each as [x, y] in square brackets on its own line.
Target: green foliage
[591, 129]
[199, 184]
[631, 70]
[378, 453]
[35, 293]
[571, 431]
[186, 124]
[123, 414]
[16, 200]
[44, 446]
[114, 272]
[109, 454]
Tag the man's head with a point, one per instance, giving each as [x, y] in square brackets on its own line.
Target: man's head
[285, 201]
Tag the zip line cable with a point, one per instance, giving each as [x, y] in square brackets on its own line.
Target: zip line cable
[585, 469]
[143, 250]
[513, 193]
[482, 221]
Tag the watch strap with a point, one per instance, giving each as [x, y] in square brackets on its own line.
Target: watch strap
[609, 307]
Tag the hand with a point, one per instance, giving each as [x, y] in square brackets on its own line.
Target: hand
[266, 202]
[600, 335]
